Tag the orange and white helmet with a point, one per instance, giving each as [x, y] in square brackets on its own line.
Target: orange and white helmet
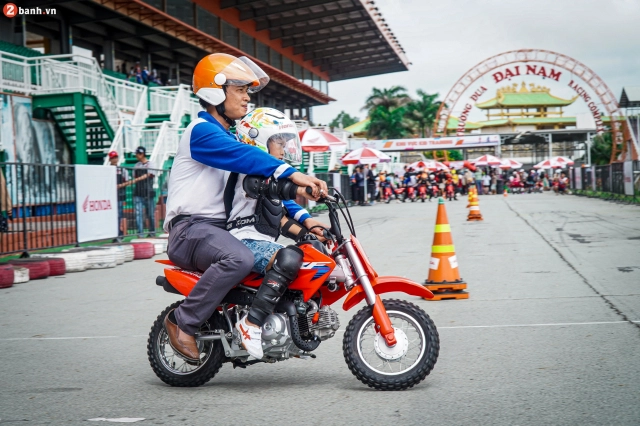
[219, 69]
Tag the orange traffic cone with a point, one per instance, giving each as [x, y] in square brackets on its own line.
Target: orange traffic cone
[474, 209]
[505, 193]
[472, 190]
[444, 278]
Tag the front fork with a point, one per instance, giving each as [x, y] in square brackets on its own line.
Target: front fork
[380, 316]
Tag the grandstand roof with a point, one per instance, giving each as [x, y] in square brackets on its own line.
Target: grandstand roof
[345, 38]
[301, 44]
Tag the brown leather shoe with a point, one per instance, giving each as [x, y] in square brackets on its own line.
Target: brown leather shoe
[181, 342]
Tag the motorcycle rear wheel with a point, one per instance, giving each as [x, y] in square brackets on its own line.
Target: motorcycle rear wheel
[398, 368]
[174, 370]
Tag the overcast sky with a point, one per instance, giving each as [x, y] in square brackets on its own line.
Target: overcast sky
[443, 39]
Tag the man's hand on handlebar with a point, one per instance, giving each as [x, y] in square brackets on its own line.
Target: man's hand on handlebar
[318, 187]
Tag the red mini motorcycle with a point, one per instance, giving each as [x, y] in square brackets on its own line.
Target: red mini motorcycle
[410, 195]
[422, 192]
[389, 344]
[387, 193]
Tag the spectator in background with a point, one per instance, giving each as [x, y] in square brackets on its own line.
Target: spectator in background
[122, 179]
[145, 76]
[478, 180]
[493, 182]
[486, 183]
[371, 183]
[143, 193]
[155, 78]
[138, 73]
[357, 185]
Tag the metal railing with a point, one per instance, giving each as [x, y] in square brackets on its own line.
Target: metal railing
[16, 74]
[166, 144]
[38, 205]
[616, 182]
[75, 73]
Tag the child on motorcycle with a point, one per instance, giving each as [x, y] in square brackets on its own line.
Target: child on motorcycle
[433, 186]
[450, 189]
[256, 220]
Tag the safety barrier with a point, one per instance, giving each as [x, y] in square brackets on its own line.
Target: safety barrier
[38, 205]
[615, 182]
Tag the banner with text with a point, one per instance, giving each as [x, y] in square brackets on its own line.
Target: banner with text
[96, 203]
[428, 144]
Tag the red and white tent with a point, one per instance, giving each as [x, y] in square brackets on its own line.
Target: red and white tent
[460, 165]
[550, 164]
[563, 160]
[509, 163]
[486, 160]
[314, 140]
[429, 165]
[366, 156]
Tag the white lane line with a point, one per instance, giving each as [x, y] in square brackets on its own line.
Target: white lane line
[559, 324]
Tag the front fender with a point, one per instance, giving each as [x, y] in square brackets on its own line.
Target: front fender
[386, 285]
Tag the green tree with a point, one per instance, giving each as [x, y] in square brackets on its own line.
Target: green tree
[387, 110]
[393, 97]
[455, 155]
[422, 111]
[601, 149]
[387, 123]
[343, 119]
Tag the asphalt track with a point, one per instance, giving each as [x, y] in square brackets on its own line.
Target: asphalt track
[549, 336]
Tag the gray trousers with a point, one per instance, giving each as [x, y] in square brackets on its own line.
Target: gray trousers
[201, 244]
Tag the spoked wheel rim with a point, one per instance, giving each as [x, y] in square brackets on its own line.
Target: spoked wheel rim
[174, 362]
[403, 357]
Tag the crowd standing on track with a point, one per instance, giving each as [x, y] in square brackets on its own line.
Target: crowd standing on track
[401, 185]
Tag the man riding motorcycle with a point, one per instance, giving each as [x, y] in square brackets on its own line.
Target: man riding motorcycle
[196, 217]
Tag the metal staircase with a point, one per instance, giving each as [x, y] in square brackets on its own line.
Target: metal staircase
[79, 117]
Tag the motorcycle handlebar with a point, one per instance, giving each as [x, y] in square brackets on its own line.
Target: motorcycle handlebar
[322, 195]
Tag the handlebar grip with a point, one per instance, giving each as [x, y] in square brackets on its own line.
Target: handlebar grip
[308, 190]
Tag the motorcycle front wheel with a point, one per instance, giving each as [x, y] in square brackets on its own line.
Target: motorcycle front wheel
[173, 369]
[401, 367]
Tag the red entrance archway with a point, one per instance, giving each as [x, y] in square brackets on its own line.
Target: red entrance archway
[577, 69]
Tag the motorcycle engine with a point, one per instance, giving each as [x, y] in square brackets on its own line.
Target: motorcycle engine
[276, 337]
[322, 323]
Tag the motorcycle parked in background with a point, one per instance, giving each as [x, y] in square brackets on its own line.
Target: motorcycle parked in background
[410, 194]
[422, 192]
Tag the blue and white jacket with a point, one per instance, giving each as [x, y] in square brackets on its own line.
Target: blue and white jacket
[205, 151]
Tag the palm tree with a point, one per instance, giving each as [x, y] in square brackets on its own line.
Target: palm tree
[387, 111]
[394, 97]
[422, 112]
[387, 123]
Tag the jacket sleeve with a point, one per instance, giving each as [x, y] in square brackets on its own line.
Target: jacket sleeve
[295, 211]
[222, 151]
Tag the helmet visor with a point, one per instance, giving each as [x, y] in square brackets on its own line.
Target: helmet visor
[244, 72]
[290, 144]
